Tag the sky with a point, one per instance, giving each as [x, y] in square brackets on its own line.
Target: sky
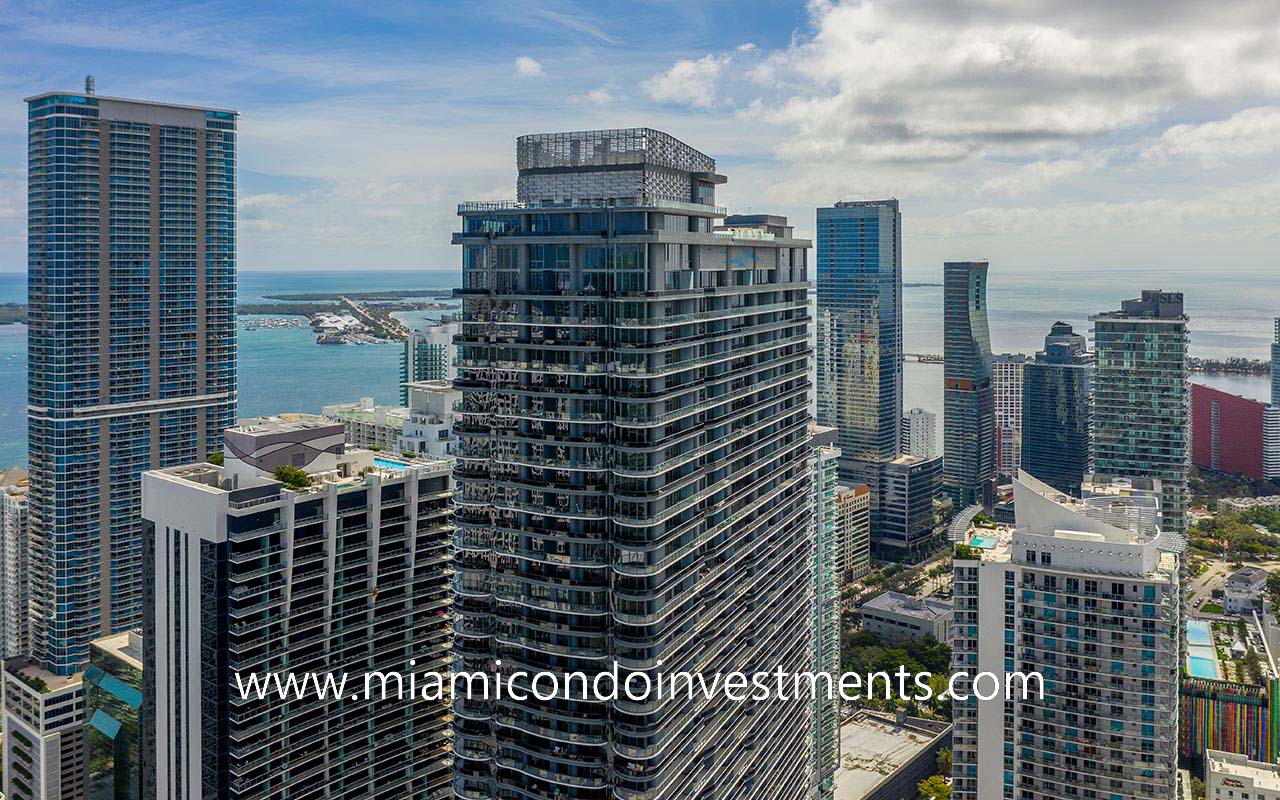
[1044, 136]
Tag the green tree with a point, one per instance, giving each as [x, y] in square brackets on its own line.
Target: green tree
[944, 761]
[216, 459]
[933, 788]
[292, 477]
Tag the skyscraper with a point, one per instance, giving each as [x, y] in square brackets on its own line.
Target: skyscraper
[827, 568]
[1275, 366]
[920, 433]
[131, 277]
[634, 474]
[860, 333]
[968, 424]
[14, 582]
[428, 356]
[1086, 593]
[1006, 377]
[1056, 399]
[1141, 400]
[339, 568]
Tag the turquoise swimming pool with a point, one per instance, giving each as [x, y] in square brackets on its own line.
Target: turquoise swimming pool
[983, 542]
[1199, 667]
[387, 463]
[1199, 633]
[1202, 660]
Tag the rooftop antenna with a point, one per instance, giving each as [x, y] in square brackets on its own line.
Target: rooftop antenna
[89, 85]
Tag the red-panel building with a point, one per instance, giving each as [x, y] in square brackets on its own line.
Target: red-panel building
[1234, 434]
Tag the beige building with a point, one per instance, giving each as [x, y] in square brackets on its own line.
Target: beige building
[853, 520]
[44, 746]
[1230, 776]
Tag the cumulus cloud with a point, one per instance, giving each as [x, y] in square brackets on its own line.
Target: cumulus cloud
[1251, 132]
[688, 82]
[1038, 176]
[599, 96]
[923, 80]
[527, 67]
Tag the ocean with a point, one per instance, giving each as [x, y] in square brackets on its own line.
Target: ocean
[284, 370]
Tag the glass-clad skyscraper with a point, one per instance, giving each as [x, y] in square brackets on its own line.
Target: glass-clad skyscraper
[634, 475]
[131, 277]
[1275, 366]
[860, 334]
[1056, 400]
[968, 425]
[1141, 399]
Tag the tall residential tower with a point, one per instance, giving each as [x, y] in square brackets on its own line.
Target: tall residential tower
[1056, 400]
[131, 278]
[340, 567]
[634, 474]
[860, 333]
[1141, 399]
[968, 424]
[1087, 594]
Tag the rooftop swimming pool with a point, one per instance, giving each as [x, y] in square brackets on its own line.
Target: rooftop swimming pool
[1202, 659]
[387, 463]
[984, 542]
[1199, 667]
[1198, 632]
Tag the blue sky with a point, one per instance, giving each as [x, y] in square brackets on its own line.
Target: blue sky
[1041, 135]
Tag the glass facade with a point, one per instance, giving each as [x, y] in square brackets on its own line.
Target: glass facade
[968, 425]
[1275, 367]
[1141, 400]
[131, 280]
[634, 476]
[1056, 408]
[429, 355]
[113, 703]
[859, 250]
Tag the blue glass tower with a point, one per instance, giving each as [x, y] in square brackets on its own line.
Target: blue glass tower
[131, 270]
[860, 337]
[1056, 401]
[969, 427]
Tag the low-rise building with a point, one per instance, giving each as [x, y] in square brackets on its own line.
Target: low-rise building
[897, 615]
[1234, 505]
[1230, 776]
[369, 425]
[428, 430]
[44, 752]
[884, 757]
[1243, 589]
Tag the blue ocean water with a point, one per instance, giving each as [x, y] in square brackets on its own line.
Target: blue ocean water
[284, 370]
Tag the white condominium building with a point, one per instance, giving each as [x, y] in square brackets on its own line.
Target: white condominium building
[1086, 593]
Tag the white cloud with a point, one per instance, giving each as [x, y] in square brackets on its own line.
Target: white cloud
[688, 82]
[1251, 132]
[599, 96]
[1038, 176]
[527, 67]
[973, 77]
